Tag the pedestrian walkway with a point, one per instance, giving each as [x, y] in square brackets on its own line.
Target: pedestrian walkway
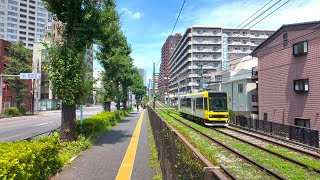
[121, 153]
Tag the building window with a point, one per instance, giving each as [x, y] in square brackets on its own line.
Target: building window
[240, 88]
[301, 85]
[300, 121]
[300, 48]
[218, 77]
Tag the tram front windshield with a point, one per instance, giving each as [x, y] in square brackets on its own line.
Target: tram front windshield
[217, 103]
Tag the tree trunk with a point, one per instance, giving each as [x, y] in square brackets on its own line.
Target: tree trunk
[68, 123]
[124, 105]
[107, 106]
[118, 105]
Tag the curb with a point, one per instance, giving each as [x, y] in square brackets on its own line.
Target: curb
[53, 176]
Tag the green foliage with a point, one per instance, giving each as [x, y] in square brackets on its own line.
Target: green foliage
[12, 111]
[23, 110]
[36, 159]
[96, 124]
[18, 61]
[231, 113]
[119, 114]
[70, 149]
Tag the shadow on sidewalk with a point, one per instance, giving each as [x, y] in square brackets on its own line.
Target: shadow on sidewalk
[113, 137]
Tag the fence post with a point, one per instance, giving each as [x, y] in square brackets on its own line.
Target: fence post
[207, 173]
[290, 132]
[317, 139]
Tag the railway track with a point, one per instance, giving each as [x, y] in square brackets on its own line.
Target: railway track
[305, 158]
[244, 158]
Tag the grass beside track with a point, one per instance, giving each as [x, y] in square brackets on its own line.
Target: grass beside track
[287, 169]
[218, 155]
[306, 159]
[154, 159]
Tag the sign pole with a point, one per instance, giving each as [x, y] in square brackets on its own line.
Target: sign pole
[81, 117]
[1, 92]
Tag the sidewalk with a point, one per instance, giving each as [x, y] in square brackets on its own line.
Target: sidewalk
[110, 156]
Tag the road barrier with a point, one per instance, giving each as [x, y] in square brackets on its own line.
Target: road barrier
[178, 158]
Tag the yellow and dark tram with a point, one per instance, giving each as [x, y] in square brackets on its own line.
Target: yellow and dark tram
[208, 108]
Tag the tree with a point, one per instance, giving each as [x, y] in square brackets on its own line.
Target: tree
[18, 61]
[114, 57]
[83, 21]
[138, 88]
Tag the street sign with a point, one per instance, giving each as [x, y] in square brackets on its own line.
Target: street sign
[30, 75]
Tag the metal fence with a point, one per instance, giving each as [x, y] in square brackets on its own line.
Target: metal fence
[178, 158]
[296, 133]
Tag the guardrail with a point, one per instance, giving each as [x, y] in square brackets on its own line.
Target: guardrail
[178, 158]
[37, 135]
[301, 134]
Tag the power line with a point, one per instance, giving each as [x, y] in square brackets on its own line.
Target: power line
[270, 13]
[261, 14]
[178, 17]
[254, 13]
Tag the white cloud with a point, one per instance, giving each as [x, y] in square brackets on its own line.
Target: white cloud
[136, 15]
[133, 15]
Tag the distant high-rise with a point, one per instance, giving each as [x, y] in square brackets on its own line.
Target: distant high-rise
[204, 52]
[143, 74]
[167, 50]
[24, 20]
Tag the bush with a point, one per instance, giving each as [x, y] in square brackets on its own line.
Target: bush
[12, 111]
[119, 114]
[96, 124]
[23, 110]
[35, 159]
[231, 113]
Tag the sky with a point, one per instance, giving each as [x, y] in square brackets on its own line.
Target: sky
[147, 23]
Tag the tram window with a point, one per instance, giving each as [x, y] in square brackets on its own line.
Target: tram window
[199, 103]
[188, 102]
[205, 104]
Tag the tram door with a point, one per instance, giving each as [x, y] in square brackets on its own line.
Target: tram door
[193, 106]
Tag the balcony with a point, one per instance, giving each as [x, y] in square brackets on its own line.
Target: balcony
[255, 100]
[254, 73]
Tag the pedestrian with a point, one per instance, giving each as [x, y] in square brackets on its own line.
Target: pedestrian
[137, 107]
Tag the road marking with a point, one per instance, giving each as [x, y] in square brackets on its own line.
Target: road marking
[125, 169]
[11, 137]
[44, 123]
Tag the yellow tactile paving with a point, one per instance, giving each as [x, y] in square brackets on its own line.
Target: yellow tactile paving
[128, 160]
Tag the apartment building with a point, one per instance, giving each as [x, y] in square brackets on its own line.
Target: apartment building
[289, 75]
[24, 20]
[241, 86]
[166, 51]
[143, 74]
[204, 52]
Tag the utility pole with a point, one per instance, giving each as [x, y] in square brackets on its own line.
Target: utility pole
[154, 85]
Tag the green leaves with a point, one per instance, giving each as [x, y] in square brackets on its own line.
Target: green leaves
[18, 62]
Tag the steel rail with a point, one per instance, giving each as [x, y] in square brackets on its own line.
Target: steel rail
[230, 149]
[269, 151]
[278, 143]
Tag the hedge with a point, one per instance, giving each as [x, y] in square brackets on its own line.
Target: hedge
[97, 123]
[12, 111]
[38, 159]
[35, 159]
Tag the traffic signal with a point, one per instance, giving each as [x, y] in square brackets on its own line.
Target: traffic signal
[4, 86]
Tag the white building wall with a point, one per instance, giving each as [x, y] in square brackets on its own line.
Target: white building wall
[21, 20]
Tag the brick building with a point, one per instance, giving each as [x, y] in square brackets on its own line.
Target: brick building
[289, 75]
[8, 95]
[166, 52]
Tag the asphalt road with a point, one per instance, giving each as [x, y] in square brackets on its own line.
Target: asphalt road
[17, 128]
